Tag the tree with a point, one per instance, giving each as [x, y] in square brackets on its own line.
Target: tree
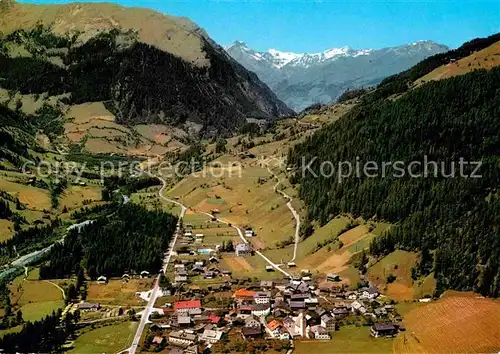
[221, 146]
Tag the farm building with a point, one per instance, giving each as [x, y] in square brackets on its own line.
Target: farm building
[102, 280]
[249, 233]
[291, 265]
[186, 306]
[243, 249]
[332, 277]
[384, 330]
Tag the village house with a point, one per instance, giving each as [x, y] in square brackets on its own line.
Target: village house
[370, 293]
[88, 306]
[384, 330]
[333, 277]
[252, 321]
[274, 328]
[262, 297]
[102, 280]
[357, 306]
[249, 233]
[328, 322]
[261, 310]
[340, 312]
[187, 306]
[181, 338]
[244, 296]
[181, 279]
[318, 332]
[243, 249]
[211, 336]
[251, 332]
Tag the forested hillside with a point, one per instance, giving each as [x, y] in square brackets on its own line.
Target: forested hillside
[132, 239]
[452, 221]
[138, 82]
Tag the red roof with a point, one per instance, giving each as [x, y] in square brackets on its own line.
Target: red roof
[191, 304]
[244, 293]
[214, 319]
[273, 325]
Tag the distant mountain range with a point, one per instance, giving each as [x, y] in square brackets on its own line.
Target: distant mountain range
[301, 79]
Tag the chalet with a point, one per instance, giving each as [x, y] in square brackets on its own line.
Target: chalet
[144, 274]
[214, 319]
[192, 349]
[251, 332]
[297, 305]
[340, 312]
[262, 297]
[252, 321]
[243, 249]
[199, 263]
[269, 268]
[187, 306]
[184, 320]
[319, 332]
[332, 277]
[211, 336]
[370, 293]
[291, 265]
[226, 272]
[299, 296]
[380, 312]
[275, 327]
[181, 338]
[320, 311]
[213, 260]
[249, 233]
[88, 306]
[328, 322]
[181, 279]
[102, 280]
[199, 236]
[244, 295]
[296, 326]
[209, 275]
[198, 270]
[261, 310]
[384, 330]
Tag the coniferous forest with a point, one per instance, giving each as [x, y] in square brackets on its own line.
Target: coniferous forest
[131, 240]
[452, 221]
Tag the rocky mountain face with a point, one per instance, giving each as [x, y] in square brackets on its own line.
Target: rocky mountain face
[147, 67]
[304, 79]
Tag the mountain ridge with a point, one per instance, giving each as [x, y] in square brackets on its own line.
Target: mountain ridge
[302, 79]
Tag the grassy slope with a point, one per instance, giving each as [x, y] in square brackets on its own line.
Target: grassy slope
[172, 34]
[348, 340]
[108, 339]
[483, 59]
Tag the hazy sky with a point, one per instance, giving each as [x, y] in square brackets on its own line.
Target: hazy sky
[316, 25]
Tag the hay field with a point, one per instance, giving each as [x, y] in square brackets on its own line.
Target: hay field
[456, 323]
[6, 230]
[107, 339]
[241, 200]
[35, 298]
[348, 340]
[398, 263]
[34, 198]
[118, 293]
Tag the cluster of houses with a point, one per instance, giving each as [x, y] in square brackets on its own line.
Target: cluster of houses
[208, 269]
[273, 310]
